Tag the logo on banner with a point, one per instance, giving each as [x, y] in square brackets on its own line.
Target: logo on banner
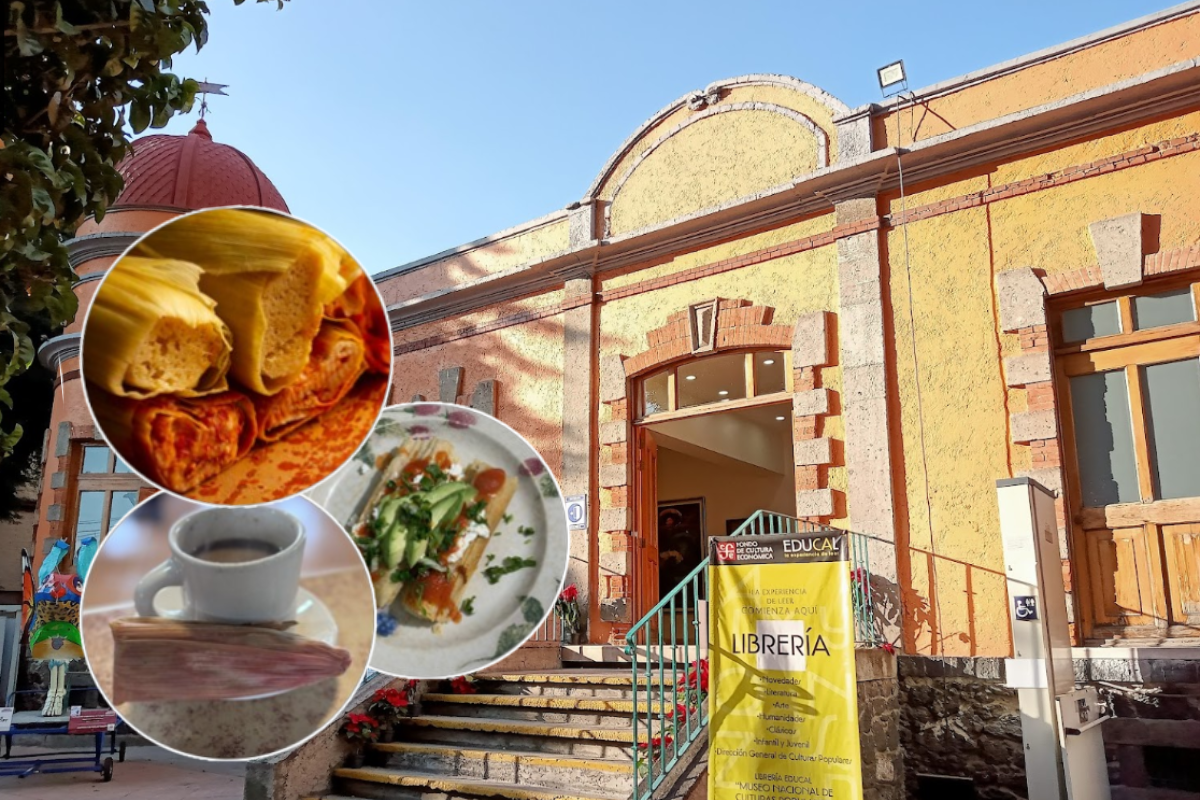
[726, 551]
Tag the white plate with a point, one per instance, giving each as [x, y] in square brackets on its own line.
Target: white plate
[507, 612]
[313, 620]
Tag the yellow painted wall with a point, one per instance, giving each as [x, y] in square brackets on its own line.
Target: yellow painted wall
[1096, 66]
[713, 161]
[952, 431]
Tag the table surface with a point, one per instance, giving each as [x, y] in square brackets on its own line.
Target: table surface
[249, 728]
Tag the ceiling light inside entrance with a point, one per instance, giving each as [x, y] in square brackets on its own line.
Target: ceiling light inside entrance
[689, 377]
[768, 362]
[723, 392]
[780, 419]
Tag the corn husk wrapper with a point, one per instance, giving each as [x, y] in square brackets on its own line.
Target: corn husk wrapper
[360, 305]
[334, 366]
[152, 331]
[179, 442]
[157, 660]
[271, 277]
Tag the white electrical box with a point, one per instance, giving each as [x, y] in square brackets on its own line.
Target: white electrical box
[1060, 725]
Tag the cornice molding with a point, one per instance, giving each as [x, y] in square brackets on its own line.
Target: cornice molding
[58, 349]
[82, 249]
[1108, 108]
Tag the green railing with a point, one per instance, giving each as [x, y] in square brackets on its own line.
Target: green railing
[668, 651]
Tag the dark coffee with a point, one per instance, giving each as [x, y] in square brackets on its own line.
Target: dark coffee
[235, 551]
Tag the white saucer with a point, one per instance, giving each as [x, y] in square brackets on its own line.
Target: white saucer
[313, 620]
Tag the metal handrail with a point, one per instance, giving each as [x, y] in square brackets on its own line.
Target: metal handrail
[668, 727]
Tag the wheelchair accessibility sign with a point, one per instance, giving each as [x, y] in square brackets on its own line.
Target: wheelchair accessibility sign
[1025, 607]
[577, 511]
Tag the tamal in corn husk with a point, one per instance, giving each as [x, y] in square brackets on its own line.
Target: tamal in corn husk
[179, 442]
[156, 659]
[360, 305]
[152, 331]
[271, 277]
[333, 367]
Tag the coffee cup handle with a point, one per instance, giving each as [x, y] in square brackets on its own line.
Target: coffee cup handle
[164, 575]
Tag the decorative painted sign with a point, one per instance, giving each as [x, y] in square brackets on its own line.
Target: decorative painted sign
[577, 512]
[784, 699]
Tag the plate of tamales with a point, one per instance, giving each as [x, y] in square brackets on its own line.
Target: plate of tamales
[464, 531]
[236, 356]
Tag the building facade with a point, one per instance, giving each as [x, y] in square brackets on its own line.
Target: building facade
[867, 317]
[861, 317]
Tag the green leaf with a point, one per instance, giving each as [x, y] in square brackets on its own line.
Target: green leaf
[532, 610]
[139, 116]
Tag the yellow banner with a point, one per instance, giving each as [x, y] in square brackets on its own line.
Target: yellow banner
[783, 699]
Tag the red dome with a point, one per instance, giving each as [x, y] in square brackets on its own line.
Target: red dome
[193, 171]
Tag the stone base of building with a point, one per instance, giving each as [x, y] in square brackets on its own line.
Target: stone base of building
[958, 719]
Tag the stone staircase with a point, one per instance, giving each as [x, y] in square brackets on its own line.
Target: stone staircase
[563, 735]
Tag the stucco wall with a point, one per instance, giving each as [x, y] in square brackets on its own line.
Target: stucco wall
[1101, 64]
[526, 359]
[728, 492]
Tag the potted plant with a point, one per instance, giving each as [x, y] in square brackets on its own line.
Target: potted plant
[463, 684]
[390, 705]
[359, 730]
[566, 608]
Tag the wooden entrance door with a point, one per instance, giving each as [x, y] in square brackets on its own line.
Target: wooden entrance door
[1131, 426]
[645, 566]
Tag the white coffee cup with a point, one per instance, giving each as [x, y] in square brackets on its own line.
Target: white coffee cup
[259, 590]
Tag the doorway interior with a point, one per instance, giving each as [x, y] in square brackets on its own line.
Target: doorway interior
[711, 472]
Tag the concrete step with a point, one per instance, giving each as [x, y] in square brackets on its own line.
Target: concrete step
[588, 711]
[384, 784]
[513, 766]
[523, 735]
[610, 655]
[614, 684]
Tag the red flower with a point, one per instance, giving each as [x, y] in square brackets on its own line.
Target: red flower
[680, 710]
[569, 594]
[392, 697]
[888, 647]
[697, 676]
[657, 741]
[462, 685]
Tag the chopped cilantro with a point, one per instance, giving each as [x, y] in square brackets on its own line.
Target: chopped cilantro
[507, 519]
[510, 564]
[526, 531]
[490, 558]
[468, 606]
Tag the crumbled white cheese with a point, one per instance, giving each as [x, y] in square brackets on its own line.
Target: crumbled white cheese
[416, 479]
[455, 472]
[476, 530]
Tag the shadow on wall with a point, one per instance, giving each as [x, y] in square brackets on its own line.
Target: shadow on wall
[524, 357]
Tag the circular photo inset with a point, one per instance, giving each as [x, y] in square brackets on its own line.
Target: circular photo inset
[464, 530]
[236, 356]
[227, 632]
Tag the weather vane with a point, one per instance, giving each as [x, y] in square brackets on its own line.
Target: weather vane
[205, 89]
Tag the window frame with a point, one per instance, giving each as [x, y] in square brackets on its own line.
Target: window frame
[109, 482]
[1127, 351]
[750, 376]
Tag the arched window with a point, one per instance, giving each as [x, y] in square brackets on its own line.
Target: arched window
[733, 379]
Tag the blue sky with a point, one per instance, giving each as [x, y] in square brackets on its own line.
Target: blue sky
[406, 128]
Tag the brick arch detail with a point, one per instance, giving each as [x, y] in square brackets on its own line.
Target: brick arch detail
[738, 325]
